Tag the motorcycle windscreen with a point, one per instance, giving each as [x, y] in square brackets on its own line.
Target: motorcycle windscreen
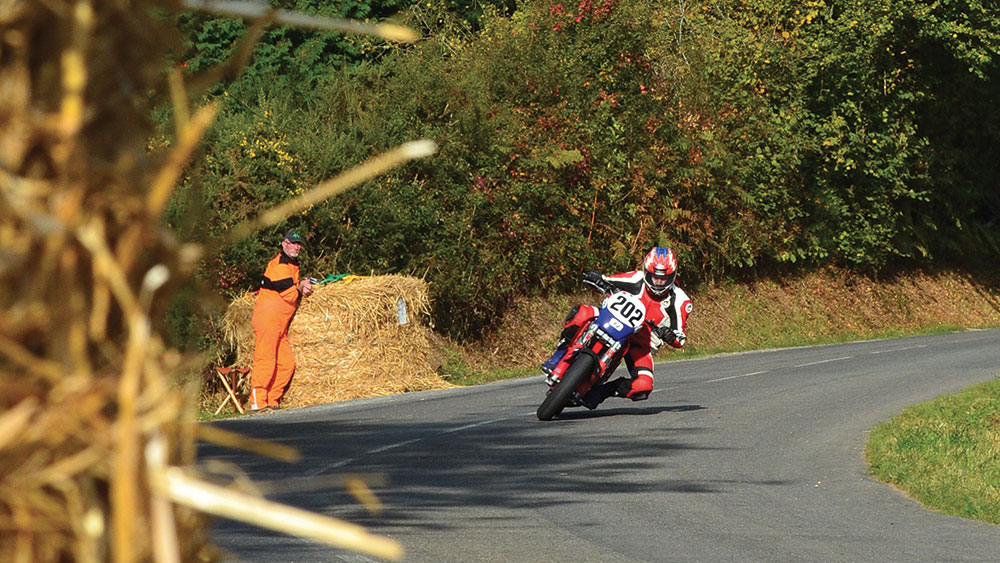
[621, 314]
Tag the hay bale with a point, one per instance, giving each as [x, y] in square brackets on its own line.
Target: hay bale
[237, 333]
[347, 341]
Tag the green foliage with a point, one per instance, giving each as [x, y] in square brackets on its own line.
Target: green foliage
[868, 86]
[249, 165]
[298, 60]
[185, 324]
[745, 134]
[210, 41]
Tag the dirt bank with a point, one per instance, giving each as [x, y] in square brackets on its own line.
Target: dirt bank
[818, 307]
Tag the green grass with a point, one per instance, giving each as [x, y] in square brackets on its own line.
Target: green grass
[457, 371]
[205, 415]
[470, 377]
[945, 453]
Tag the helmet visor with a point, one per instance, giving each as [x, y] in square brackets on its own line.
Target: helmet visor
[660, 281]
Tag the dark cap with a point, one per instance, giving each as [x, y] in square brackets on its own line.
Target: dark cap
[293, 236]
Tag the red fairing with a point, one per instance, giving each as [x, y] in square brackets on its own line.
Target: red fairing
[583, 316]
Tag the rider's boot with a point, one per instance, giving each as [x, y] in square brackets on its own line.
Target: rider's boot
[561, 346]
[551, 363]
[637, 389]
[598, 393]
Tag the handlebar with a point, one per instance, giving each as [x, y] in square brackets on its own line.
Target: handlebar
[602, 286]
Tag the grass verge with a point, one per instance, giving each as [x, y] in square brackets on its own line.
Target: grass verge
[458, 370]
[945, 453]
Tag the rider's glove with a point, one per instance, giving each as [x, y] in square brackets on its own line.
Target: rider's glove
[594, 278]
[663, 334]
[597, 280]
[655, 340]
[678, 339]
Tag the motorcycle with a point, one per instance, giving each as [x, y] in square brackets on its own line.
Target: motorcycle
[596, 352]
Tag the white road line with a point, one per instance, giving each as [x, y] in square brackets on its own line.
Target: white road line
[391, 446]
[473, 425]
[320, 470]
[824, 361]
[355, 558]
[735, 376]
[330, 466]
[897, 349]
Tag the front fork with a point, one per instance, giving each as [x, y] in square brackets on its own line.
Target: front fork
[556, 376]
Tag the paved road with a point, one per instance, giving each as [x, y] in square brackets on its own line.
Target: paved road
[748, 457]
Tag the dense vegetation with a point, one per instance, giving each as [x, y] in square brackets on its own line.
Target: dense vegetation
[748, 135]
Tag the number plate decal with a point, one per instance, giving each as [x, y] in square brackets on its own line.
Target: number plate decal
[626, 308]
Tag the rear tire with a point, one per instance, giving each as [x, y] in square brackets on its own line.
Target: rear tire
[557, 399]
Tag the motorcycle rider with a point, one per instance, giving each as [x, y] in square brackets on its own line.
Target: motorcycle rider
[667, 307]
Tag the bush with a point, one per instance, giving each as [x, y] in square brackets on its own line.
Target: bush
[745, 135]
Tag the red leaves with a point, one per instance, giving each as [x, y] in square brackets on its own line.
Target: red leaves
[584, 9]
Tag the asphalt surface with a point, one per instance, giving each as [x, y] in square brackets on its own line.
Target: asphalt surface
[744, 457]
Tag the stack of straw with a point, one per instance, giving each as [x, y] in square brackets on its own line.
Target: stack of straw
[348, 341]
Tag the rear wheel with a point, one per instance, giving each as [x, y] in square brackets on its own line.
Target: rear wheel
[558, 397]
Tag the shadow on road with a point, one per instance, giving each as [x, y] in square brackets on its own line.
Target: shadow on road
[632, 411]
[509, 464]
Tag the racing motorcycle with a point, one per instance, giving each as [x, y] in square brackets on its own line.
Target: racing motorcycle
[596, 351]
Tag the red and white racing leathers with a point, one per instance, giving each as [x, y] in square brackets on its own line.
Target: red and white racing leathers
[669, 310]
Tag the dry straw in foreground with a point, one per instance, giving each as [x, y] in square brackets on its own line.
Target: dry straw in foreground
[96, 442]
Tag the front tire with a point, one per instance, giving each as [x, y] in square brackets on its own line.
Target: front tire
[558, 397]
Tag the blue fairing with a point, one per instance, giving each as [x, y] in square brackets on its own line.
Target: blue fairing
[614, 327]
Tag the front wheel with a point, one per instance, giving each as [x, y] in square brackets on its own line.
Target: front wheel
[558, 397]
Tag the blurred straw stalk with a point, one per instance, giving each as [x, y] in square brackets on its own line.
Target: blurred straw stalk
[93, 427]
[81, 272]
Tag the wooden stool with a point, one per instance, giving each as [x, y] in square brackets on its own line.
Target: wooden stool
[231, 379]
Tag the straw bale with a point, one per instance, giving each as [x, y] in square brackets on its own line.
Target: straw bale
[236, 330]
[348, 342]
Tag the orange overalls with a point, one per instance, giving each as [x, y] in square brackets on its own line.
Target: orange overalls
[273, 362]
